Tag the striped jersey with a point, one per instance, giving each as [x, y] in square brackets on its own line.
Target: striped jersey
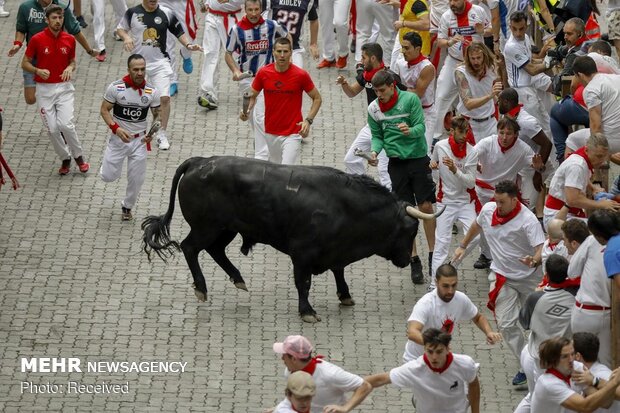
[254, 44]
[131, 106]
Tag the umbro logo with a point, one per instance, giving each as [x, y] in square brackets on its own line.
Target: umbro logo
[557, 310]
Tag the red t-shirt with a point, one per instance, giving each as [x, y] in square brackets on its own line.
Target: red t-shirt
[578, 96]
[283, 96]
[51, 53]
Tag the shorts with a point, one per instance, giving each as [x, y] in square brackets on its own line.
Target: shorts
[613, 24]
[160, 76]
[29, 77]
[412, 180]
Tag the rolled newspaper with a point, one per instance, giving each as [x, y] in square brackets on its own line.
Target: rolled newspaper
[246, 102]
[246, 75]
[363, 154]
[154, 128]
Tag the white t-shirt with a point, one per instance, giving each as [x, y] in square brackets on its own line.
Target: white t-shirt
[433, 392]
[603, 372]
[587, 263]
[547, 250]
[478, 88]
[498, 166]
[409, 77]
[453, 187]
[448, 27]
[433, 312]
[284, 406]
[332, 383]
[131, 107]
[604, 90]
[517, 54]
[511, 241]
[574, 173]
[529, 128]
[550, 392]
[605, 64]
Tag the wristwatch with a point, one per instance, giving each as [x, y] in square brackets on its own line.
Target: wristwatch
[309, 120]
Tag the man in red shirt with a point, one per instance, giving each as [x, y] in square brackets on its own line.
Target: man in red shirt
[283, 84]
[54, 51]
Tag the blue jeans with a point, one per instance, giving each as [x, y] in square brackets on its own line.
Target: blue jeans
[563, 115]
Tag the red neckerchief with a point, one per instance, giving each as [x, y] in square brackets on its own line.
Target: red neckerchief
[368, 74]
[311, 366]
[440, 370]
[245, 24]
[458, 149]
[131, 84]
[391, 103]
[565, 379]
[580, 41]
[582, 152]
[462, 20]
[506, 149]
[552, 245]
[416, 60]
[514, 112]
[501, 220]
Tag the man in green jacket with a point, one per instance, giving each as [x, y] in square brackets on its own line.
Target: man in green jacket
[30, 21]
[396, 120]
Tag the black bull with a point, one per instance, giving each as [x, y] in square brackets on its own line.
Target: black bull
[322, 218]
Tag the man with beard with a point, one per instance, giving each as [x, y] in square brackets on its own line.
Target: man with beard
[437, 378]
[442, 308]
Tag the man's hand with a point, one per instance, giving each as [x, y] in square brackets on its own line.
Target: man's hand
[305, 128]
[128, 44]
[459, 253]
[373, 161]
[537, 162]
[450, 164]
[582, 377]
[314, 51]
[14, 50]
[608, 204]
[66, 74]
[43, 73]
[243, 116]
[194, 47]
[404, 128]
[433, 165]
[529, 261]
[236, 75]
[493, 337]
[123, 135]
[332, 408]
[479, 28]
[497, 89]
[399, 24]
[341, 80]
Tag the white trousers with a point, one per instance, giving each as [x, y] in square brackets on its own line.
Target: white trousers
[430, 115]
[463, 213]
[445, 94]
[257, 121]
[284, 149]
[595, 322]
[357, 165]
[484, 195]
[537, 102]
[334, 16]
[511, 298]
[369, 12]
[549, 214]
[213, 42]
[112, 166]
[532, 371]
[178, 8]
[482, 129]
[119, 7]
[55, 101]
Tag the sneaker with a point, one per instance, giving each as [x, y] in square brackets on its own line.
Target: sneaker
[126, 214]
[84, 166]
[207, 101]
[188, 65]
[482, 263]
[519, 379]
[117, 37]
[174, 89]
[341, 63]
[81, 21]
[455, 230]
[359, 68]
[417, 276]
[352, 46]
[101, 56]
[430, 288]
[162, 141]
[4, 13]
[65, 168]
[326, 63]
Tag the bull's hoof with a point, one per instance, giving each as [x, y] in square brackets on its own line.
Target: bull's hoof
[310, 318]
[202, 296]
[347, 302]
[241, 286]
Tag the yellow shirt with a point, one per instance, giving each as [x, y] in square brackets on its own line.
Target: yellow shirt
[413, 11]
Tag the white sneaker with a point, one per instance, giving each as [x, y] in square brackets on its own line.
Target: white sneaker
[4, 13]
[162, 140]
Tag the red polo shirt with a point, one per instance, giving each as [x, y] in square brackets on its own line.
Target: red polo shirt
[51, 53]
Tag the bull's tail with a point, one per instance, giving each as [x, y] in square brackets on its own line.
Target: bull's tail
[157, 228]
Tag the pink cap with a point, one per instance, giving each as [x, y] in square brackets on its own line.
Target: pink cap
[296, 346]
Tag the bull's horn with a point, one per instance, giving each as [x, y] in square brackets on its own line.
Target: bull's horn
[415, 213]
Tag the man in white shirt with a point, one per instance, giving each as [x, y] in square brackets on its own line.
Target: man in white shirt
[515, 239]
[300, 389]
[437, 378]
[555, 392]
[442, 308]
[332, 382]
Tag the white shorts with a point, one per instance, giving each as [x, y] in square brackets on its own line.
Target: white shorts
[160, 76]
